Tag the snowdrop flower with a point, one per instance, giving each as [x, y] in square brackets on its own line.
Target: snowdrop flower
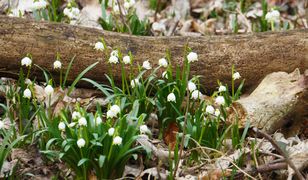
[111, 114]
[165, 75]
[217, 112]
[132, 3]
[99, 46]
[28, 81]
[49, 90]
[71, 13]
[76, 115]
[236, 75]
[192, 57]
[209, 109]
[115, 108]
[82, 121]
[111, 131]
[222, 88]
[1, 125]
[196, 94]
[171, 97]
[114, 53]
[81, 143]
[26, 61]
[220, 100]
[57, 64]
[163, 62]
[113, 59]
[134, 83]
[126, 60]
[191, 86]
[116, 9]
[126, 5]
[72, 124]
[117, 140]
[144, 129]
[146, 65]
[98, 121]
[61, 126]
[27, 93]
[41, 4]
[273, 16]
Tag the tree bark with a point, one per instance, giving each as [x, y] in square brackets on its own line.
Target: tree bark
[254, 55]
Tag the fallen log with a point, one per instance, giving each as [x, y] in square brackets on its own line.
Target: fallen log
[254, 55]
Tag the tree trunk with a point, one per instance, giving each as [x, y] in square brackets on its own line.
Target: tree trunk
[254, 55]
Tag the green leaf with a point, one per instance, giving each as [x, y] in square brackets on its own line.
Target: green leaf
[79, 77]
[68, 70]
[101, 160]
[82, 161]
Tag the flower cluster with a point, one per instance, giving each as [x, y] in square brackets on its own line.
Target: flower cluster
[113, 111]
[273, 16]
[72, 13]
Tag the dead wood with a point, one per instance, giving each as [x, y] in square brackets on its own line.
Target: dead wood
[254, 55]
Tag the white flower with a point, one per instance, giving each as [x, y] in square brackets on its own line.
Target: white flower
[117, 140]
[222, 88]
[114, 53]
[82, 121]
[171, 97]
[75, 12]
[126, 5]
[113, 59]
[165, 74]
[163, 62]
[144, 129]
[72, 124]
[48, 90]
[99, 46]
[61, 126]
[132, 3]
[1, 125]
[126, 60]
[196, 94]
[209, 109]
[76, 115]
[71, 13]
[115, 108]
[236, 75]
[98, 121]
[26, 61]
[220, 100]
[273, 16]
[191, 86]
[116, 9]
[27, 93]
[41, 4]
[192, 57]
[217, 112]
[111, 131]
[146, 65]
[57, 64]
[81, 143]
[28, 81]
[134, 83]
[111, 114]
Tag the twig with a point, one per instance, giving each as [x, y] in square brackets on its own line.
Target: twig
[122, 18]
[265, 168]
[183, 136]
[173, 28]
[280, 151]
[156, 10]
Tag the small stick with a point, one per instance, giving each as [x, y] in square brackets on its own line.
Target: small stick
[156, 10]
[122, 18]
[280, 151]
